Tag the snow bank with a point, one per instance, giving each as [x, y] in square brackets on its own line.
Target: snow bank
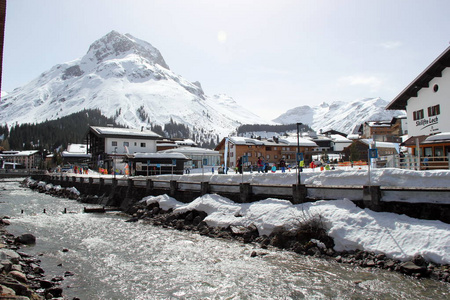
[399, 237]
[346, 176]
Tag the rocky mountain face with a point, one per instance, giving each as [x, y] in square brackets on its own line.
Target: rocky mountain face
[128, 79]
[340, 116]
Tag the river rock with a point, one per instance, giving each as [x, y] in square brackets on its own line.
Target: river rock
[9, 255]
[19, 276]
[26, 239]
[55, 291]
[7, 292]
[45, 284]
[411, 268]
[5, 222]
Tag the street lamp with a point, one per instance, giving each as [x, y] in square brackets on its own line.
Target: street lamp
[298, 153]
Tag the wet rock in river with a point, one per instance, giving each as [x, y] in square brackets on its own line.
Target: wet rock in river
[26, 239]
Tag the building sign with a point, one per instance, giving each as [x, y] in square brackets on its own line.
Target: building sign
[432, 123]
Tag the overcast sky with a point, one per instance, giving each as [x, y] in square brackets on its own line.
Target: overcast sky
[270, 56]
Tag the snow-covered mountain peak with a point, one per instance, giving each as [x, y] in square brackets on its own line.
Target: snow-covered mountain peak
[339, 115]
[127, 79]
[117, 45]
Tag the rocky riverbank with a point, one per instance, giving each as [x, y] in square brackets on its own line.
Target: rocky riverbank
[309, 238]
[21, 276]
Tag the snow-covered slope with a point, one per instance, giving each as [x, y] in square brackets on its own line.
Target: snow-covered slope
[127, 78]
[340, 116]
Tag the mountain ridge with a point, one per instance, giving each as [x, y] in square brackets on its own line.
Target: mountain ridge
[128, 79]
[339, 115]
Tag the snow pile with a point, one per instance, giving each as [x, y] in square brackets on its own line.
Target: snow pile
[399, 237]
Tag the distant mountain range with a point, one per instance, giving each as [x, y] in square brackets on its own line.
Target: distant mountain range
[128, 79]
[339, 115]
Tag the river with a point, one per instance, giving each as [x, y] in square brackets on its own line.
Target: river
[114, 259]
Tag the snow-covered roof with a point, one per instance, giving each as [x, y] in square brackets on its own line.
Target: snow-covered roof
[239, 140]
[292, 141]
[77, 148]
[131, 132]
[444, 136]
[353, 136]
[19, 153]
[191, 151]
[382, 144]
[379, 124]
[161, 154]
[187, 142]
[337, 138]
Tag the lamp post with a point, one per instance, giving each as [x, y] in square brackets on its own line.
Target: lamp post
[298, 154]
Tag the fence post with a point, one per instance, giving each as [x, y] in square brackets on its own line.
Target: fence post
[299, 193]
[205, 188]
[129, 188]
[372, 197]
[245, 190]
[149, 186]
[173, 188]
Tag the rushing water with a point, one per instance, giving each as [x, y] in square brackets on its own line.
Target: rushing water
[113, 259]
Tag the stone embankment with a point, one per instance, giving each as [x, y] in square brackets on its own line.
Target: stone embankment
[21, 276]
[310, 238]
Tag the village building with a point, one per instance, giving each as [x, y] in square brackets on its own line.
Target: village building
[270, 150]
[384, 131]
[385, 151]
[76, 154]
[109, 146]
[427, 103]
[198, 157]
[28, 159]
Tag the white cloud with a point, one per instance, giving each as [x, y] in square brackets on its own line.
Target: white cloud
[391, 44]
[374, 83]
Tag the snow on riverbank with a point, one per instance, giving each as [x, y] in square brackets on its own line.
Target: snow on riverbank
[398, 236]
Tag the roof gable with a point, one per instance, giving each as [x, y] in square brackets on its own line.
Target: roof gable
[433, 70]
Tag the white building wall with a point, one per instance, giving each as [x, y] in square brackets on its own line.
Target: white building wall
[134, 145]
[427, 97]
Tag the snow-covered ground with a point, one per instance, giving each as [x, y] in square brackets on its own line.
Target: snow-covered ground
[398, 236]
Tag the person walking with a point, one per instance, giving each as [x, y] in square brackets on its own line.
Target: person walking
[283, 165]
[260, 165]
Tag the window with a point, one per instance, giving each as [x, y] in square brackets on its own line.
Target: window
[267, 156]
[126, 144]
[114, 143]
[275, 148]
[268, 148]
[435, 88]
[250, 146]
[135, 143]
[434, 110]
[142, 145]
[418, 114]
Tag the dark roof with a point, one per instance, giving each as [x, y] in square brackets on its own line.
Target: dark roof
[433, 70]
